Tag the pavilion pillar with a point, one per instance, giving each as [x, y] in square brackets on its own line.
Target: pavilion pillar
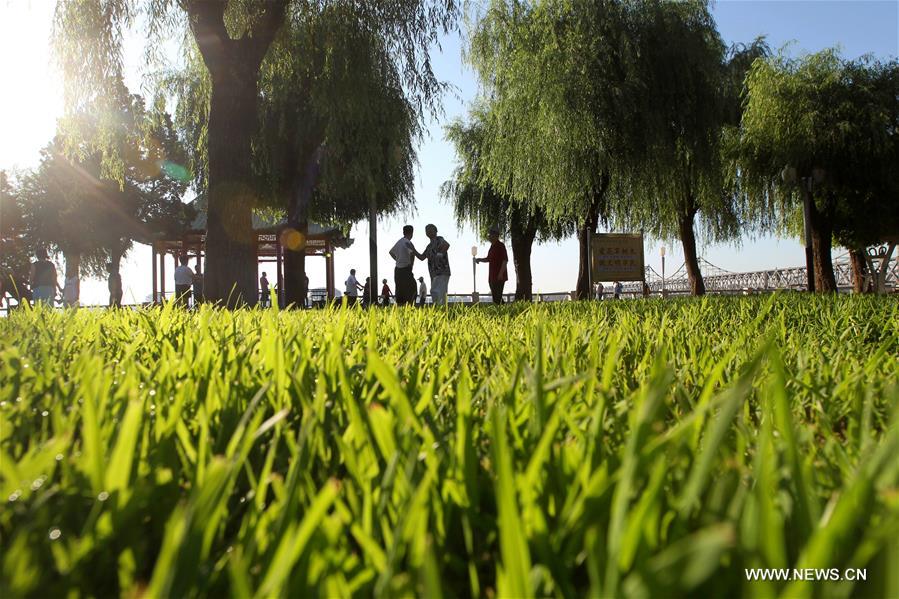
[256, 274]
[279, 270]
[329, 270]
[373, 252]
[162, 276]
[327, 276]
[155, 275]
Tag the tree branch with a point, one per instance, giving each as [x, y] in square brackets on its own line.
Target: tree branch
[206, 19]
[257, 44]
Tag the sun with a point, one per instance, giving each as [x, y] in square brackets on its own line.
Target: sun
[32, 97]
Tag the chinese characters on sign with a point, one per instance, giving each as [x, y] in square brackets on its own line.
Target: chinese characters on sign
[617, 257]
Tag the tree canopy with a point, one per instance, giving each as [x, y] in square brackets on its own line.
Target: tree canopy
[612, 111]
[69, 207]
[829, 127]
[13, 244]
[330, 83]
[476, 202]
[65, 205]
[235, 40]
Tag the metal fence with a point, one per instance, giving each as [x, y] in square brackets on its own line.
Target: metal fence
[717, 281]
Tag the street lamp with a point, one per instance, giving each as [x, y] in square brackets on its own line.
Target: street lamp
[662, 254]
[474, 276]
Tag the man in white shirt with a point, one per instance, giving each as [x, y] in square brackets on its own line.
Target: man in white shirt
[184, 279]
[404, 253]
[422, 291]
[352, 288]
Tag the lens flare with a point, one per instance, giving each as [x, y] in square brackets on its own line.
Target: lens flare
[293, 239]
[175, 171]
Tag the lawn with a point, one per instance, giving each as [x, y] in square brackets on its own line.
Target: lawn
[615, 449]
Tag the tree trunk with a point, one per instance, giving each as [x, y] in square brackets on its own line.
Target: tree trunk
[293, 240]
[115, 258]
[822, 234]
[522, 236]
[117, 252]
[233, 65]
[586, 231]
[691, 259]
[230, 276]
[305, 180]
[294, 283]
[859, 270]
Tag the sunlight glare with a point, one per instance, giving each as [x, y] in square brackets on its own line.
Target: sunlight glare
[32, 99]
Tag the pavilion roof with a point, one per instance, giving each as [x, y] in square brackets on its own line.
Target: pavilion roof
[263, 223]
[267, 225]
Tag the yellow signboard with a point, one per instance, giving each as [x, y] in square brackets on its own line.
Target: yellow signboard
[617, 257]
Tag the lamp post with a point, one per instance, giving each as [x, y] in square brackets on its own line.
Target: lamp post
[474, 275]
[662, 254]
[372, 251]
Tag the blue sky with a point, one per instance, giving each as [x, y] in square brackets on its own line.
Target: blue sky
[857, 27]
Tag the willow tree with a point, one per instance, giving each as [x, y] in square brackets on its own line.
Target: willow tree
[234, 39]
[73, 206]
[689, 95]
[867, 213]
[552, 130]
[609, 111]
[13, 245]
[146, 201]
[477, 202]
[338, 130]
[826, 129]
[65, 210]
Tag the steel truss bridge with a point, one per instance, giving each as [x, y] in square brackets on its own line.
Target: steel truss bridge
[721, 281]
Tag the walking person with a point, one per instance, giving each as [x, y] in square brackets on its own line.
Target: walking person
[71, 290]
[618, 287]
[264, 296]
[306, 303]
[184, 280]
[403, 252]
[352, 288]
[199, 296]
[498, 260]
[43, 278]
[438, 264]
[599, 290]
[366, 293]
[422, 291]
[114, 285]
[386, 294]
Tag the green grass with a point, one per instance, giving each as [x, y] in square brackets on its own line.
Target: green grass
[621, 449]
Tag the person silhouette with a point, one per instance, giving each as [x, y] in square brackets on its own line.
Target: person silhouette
[43, 278]
[114, 285]
[264, 294]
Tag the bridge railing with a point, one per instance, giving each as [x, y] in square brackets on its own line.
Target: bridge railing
[718, 281]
